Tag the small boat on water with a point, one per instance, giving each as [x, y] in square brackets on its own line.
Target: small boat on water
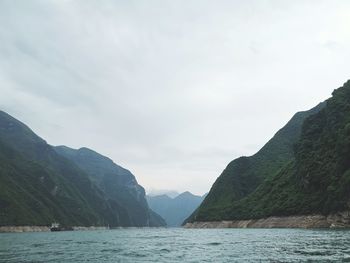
[55, 227]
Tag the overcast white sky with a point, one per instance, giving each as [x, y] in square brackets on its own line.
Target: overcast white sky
[172, 90]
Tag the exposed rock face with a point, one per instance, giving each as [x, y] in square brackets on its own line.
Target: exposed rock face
[117, 184]
[20, 229]
[338, 220]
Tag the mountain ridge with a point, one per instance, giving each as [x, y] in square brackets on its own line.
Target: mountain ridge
[315, 181]
[244, 174]
[175, 210]
[116, 182]
[39, 186]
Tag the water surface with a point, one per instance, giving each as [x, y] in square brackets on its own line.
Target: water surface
[178, 245]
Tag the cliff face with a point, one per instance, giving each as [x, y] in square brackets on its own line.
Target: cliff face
[115, 182]
[338, 220]
[39, 186]
[316, 180]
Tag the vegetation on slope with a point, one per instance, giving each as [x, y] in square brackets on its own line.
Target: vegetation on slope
[32, 194]
[243, 175]
[115, 182]
[317, 180]
[39, 186]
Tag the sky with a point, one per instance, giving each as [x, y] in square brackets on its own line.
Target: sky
[171, 90]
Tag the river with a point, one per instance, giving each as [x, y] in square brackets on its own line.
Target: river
[177, 245]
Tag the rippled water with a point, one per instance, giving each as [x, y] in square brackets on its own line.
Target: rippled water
[178, 245]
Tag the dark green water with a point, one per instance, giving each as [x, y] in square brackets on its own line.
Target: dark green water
[178, 245]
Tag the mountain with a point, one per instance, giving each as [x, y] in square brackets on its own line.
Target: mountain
[115, 182]
[39, 186]
[169, 193]
[243, 175]
[174, 210]
[314, 179]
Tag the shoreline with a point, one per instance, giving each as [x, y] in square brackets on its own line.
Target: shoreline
[24, 229]
[337, 220]
[333, 221]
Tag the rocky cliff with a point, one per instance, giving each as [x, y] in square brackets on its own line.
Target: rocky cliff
[338, 220]
[116, 182]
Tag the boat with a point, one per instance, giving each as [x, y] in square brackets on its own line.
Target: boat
[55, 227]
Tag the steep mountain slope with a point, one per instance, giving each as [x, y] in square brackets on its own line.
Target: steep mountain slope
[115, 182]
[174, 210]
[243, 175]
[315, 181]
[318, 180]
[39, 186]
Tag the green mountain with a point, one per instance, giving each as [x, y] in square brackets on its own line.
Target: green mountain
[115, 182]
[243, 175]
[312, 177]
[39, 186]
[174, 210]
[318, 179]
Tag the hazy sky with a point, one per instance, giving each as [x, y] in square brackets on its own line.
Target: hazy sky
[172, 90]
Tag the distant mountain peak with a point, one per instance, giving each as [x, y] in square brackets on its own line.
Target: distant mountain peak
[157, 192]
[174, 210]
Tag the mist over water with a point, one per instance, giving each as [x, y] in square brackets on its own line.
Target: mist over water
[178, 245]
